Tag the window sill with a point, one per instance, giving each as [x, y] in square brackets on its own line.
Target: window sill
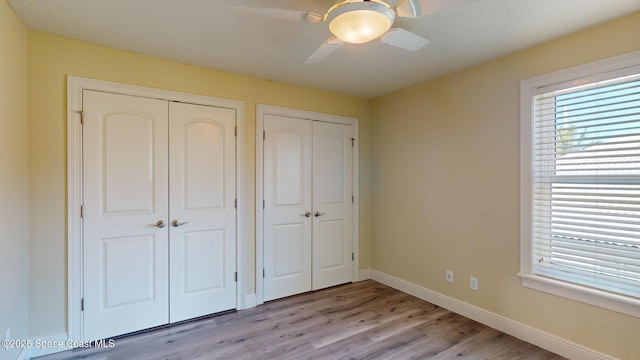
[619, 303]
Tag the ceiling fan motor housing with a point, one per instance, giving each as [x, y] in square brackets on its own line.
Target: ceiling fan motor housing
[360, 21]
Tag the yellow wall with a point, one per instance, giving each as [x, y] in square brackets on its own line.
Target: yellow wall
[445, 179]
[51, 59]
[13, 178]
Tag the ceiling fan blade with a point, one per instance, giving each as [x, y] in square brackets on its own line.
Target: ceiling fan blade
[280, 14]
[403, 39]
[327, 48]
[416, 8]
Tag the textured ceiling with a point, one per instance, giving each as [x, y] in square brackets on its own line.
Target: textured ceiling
[210, 33]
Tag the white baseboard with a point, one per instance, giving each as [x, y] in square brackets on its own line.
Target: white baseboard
[41, 346]
[521, 331]
[23, 355]
[364, 275]
[250, 301]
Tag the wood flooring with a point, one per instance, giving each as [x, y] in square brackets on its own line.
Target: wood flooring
[363, 320]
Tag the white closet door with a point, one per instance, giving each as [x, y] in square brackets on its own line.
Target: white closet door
[287, 208]
[203, 214]
[125, 212]
[332, 204]
[308, 221]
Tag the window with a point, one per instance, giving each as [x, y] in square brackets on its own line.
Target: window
[580, 228]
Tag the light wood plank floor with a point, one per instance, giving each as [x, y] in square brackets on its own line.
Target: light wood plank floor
[364, 320]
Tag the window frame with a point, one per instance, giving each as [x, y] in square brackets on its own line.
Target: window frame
[576, 76]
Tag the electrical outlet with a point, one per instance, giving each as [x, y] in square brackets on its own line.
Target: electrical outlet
[449, 276]
[473, 283]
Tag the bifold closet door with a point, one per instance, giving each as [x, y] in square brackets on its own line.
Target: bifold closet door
[125, 239]
[308, 205]
[202, 211]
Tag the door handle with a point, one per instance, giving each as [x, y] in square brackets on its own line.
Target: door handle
[176, 223]
[307, 214]
[317, 214]
[160, 224]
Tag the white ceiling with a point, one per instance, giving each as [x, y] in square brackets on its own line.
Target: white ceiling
[211, 34]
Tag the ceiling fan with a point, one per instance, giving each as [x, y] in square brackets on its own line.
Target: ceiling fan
[361, 21]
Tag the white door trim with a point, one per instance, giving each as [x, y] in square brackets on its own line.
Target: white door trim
[75, 86]
[261, 111]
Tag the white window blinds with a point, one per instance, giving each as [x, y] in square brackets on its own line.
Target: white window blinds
[586, 182]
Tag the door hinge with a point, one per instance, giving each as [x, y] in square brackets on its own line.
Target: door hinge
[353, 199]
[235, 131]
[353, 256]
[263, 272]
[81, 117]
[264, 134]
[81, 211]
[353, 142]
[236, 276]
[235, 203]
[82, 304]
[263, 204]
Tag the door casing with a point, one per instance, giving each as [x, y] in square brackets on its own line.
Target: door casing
[261, 111]
[75, 87]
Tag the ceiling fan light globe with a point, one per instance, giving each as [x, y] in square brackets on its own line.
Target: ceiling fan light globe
[360, 22]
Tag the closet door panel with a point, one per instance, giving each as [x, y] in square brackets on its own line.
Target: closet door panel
[287, 208]
[125, 241]
[203, 214]
[332, 204]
